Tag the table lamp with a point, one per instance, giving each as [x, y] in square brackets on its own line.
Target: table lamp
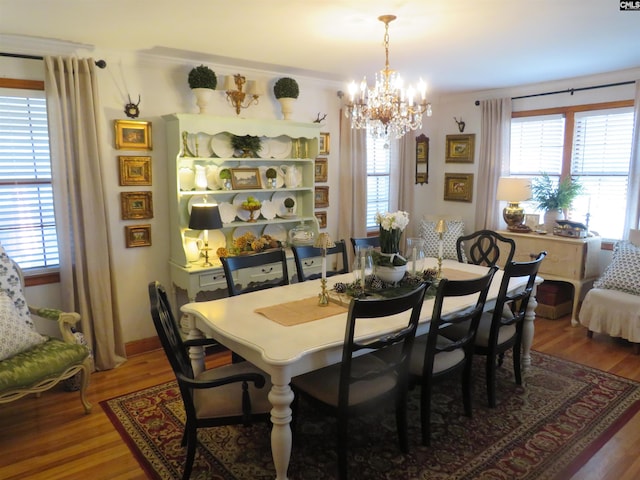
[205, 216]
[324, 241]
[514, 190]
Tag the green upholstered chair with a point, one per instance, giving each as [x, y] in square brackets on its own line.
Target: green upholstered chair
[32, 363]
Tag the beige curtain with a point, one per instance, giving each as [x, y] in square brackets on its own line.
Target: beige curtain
[352, 208]
[407, 181]
[633, 202]
[494, 150]
[75, 131]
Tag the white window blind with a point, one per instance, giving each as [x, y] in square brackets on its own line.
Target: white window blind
[27, 222]
[378, 178]
[600, 161]
[536, 145]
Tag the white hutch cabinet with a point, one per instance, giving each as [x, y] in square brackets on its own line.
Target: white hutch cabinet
[203, 143]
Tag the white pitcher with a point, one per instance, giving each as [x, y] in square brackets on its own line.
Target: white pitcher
[292, 175]
[192, 248]
[186, 178]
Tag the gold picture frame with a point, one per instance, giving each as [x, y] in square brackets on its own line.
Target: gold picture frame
[422, 159]
[321, 198]
[322, 219]
[245, 178]
[136, 205]
[460, 148]
[323, 145]
[321, 170]
[134, 170]
[137, 235]
[458, 187]
[133, 135]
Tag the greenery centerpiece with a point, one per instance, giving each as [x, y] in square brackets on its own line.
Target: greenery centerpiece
[249, 144]
[247, 244]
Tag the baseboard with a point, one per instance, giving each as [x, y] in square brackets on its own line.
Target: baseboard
[142, 346]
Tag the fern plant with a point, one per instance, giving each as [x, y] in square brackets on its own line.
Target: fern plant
[550, 196]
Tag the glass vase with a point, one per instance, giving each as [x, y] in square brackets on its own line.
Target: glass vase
[390, 240]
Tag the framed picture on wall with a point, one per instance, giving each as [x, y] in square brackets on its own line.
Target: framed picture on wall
[460, 148]
[135, 170]
[322, 197]
[136, 205]
[322, 219]
[422, 159]
[323, 146]
[245, 178]
[137, 235]
[133, 135]
[458, 187]
[321, 170]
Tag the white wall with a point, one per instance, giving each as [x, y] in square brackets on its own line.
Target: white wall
[162, 85]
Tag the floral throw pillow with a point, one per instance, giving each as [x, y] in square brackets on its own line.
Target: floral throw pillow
[427, 231]
[15, 335]
[10, 284]
[623, 273]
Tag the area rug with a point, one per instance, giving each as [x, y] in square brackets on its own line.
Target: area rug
[546, 429]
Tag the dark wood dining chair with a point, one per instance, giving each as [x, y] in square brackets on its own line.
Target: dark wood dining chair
[501, 329]
[373, 242]
[268, 263]
[231, 394]
[435, 358]
[308, 256]
[485, 247]
[359, 384]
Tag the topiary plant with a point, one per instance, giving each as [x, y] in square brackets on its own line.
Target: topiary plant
[225, 174]
[271, 173]
[202, 77]
[286, 87]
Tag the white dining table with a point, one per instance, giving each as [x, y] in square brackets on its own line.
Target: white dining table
[286, 351]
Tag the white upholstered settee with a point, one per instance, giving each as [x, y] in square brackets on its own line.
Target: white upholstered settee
[613, 305]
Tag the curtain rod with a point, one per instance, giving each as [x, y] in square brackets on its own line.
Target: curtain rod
[99, 63]
[570, 90]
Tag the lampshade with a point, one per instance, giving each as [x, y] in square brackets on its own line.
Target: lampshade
[441, 227]
[205, 216]
[513, 189]
[324, 241]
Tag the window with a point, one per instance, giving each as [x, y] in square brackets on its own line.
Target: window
[27, 222]
[592, 143]
[378, 178]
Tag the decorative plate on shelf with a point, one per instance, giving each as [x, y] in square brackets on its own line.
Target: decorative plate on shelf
[278, 199]
[255, 229]
[203, 144]
[269, 209]
[227, 212]
[277, 231]
[221, 145]
[212, 178]
[264, 150]
[280, 147]
[244, 215]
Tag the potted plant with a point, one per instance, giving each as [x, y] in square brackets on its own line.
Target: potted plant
[289, 203]
[286, 90]
[225, 177]
[249, 144]
[554, 199]
[390, 266]
[203, 81]
[272, 176]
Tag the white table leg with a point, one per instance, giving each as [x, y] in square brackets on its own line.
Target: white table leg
[281, 397]
[196, 354]
[528, 329]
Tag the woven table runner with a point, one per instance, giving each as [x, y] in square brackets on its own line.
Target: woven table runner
[453, 274]
[300, 311]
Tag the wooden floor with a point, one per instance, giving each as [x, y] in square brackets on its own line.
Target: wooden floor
[50, 438]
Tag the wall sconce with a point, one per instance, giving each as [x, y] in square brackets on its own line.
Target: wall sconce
[234, 87]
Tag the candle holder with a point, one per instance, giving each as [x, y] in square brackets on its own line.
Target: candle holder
[323, 242]
[440, 229]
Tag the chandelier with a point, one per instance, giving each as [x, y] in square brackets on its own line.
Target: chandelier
[387, 108]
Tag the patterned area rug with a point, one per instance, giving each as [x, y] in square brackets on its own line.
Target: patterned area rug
[546, 430]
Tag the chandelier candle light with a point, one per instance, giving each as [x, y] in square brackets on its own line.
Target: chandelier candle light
[387, 108]
[324, 241]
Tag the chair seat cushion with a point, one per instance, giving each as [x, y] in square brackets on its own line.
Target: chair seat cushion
[226, 400]
[612, 312]
[442, 360]
[506, 332]
[46, 360]
[324, 384]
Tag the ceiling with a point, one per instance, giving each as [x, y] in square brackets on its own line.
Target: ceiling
[454, 45]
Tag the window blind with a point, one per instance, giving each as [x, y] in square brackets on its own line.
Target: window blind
[378, 178]
[27, 221]
[536, 145]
